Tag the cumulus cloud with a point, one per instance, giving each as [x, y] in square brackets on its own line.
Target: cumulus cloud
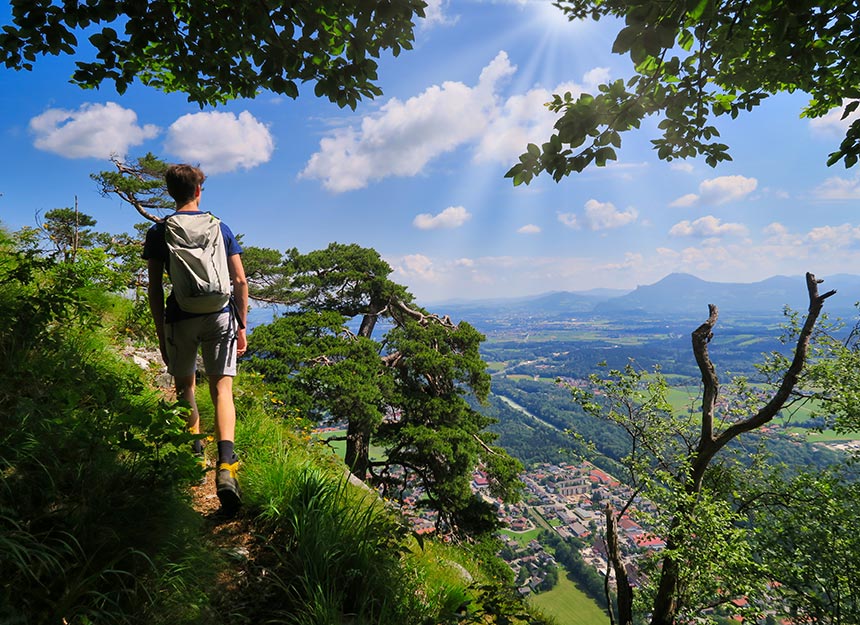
[92, 131]
[599, 216]
[529, 229]
[832, 124]
[522, 119]
[837, 188]
[706, 227]
[436, 14]
[570, 220]
[220, 142]
[604, 215]
[778, 234]
[416, 266]
[834, 237]
[451, 217]
[716, 191]
[403, 137]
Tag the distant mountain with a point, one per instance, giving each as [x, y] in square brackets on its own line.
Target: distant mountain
[676, 294]
[546, 304]
[680, 293]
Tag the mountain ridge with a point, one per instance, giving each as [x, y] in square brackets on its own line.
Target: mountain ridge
[676, 293]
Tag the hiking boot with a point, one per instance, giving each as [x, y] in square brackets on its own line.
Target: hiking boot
[227, 487]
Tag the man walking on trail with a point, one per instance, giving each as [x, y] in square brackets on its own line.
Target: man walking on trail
[200, 312]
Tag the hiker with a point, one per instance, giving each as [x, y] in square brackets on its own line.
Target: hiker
[202, 258]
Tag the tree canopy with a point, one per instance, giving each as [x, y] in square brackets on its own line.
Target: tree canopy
[216, 51]
[695, 61]
[405, 392]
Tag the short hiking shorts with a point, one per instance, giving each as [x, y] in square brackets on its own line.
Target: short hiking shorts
[214, 335]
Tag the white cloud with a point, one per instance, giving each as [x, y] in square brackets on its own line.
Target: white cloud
[451, 217]
[690, 199]
[522, 119]
[604, 215]
[416, 266]
[836, 188]
[599, 216]
[832, 124]
[778, 234]
[716, 191]
[529, 229]
[570, 220]
[705, 227]
[405, 136]
[436, 14]
[834, 237]
[92, 131]
[220, 142]
[683, 166]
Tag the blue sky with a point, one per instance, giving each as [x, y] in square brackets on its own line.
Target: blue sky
[417, 173]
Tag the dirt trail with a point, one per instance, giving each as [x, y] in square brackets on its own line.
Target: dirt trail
[237, 596]
[238, 588]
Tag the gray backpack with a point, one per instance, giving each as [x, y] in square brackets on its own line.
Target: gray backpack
[198, 262]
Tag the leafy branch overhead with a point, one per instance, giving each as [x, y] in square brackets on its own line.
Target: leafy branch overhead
[694, 61]
[216, 51]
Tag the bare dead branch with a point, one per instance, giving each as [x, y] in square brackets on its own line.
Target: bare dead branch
[708, 447]
[701, 337]
[422, 318]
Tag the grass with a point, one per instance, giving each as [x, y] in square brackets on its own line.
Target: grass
[569, 605]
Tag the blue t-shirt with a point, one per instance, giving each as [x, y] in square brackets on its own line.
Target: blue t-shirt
[155, 247]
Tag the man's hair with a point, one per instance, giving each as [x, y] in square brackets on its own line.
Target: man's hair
[182, 182]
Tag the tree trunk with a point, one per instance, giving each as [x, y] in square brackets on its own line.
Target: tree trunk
[666, 599]
[622, 583]
[368, 323]
[357, 449]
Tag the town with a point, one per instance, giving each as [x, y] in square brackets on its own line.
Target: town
[568, 500]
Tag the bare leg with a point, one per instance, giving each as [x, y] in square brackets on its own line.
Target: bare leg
[185, 392]
[226, 486]
[221, 390]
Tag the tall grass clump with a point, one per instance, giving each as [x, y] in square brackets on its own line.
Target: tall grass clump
[334, 551]
[91, 462]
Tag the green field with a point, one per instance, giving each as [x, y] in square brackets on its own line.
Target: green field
[523, 538]
[569, 605]
[685, 399]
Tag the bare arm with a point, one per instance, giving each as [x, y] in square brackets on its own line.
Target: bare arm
[155, 295]
[240, 294]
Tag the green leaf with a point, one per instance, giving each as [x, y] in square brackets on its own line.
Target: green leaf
[624, 40]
